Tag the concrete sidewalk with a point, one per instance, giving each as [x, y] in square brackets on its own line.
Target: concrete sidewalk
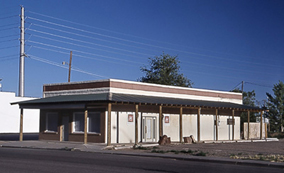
[115, 149]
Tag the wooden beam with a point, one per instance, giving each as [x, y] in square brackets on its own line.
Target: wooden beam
[233, 125]
[160, 121]
[136, 124]
[216, 121]
[180, 125]
[21, 125]
[198, 124]
[248, 122]
[261, 124]
[85, 126]
[109, 124]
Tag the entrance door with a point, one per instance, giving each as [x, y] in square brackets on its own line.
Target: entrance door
[149, 129]
[65, 128]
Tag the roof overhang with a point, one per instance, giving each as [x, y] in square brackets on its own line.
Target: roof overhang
[81, 101]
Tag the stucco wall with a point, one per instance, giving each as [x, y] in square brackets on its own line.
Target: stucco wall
[126, 129]
[10, 115]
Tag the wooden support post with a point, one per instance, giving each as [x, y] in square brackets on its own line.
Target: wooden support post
[265, 130]
[261, 124]
[136, 124]
[233, 125]
[198, 124]
[160, 121]
[21, 125]
[216, 124]
[248, 122]
[180, 125]
[109, 124]
[85, 126]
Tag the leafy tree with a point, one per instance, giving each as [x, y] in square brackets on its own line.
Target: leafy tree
[249, 100]
[276, 107]
[164, 69]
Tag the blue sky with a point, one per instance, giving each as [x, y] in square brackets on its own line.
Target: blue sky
[219, 43]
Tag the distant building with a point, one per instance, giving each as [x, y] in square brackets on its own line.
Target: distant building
[119, 111]
[10, 116]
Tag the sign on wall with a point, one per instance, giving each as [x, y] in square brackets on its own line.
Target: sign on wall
[167, 119]
[130, 117]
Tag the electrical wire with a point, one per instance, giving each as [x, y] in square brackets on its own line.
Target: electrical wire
[62, 66]
[63, 48]
[9, 47]
[268, 86]
[85, 46]
[89, 38]
[121, 39]
[93, 38]
[84, 25]
[8, 17]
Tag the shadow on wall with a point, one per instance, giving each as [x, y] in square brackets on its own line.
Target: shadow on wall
[15, 136]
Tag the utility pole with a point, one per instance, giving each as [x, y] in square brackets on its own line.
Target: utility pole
[69, 74]
[242, 87]
[22, 54]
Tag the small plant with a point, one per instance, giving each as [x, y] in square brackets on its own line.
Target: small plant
[201, 153]
[140, 148]
[155, 147]
[177, 152]
[189, 151]
[240, 154]
[232, 155]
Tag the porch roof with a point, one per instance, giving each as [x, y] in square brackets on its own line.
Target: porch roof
[85, 99]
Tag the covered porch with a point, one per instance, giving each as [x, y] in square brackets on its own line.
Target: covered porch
[107, 108]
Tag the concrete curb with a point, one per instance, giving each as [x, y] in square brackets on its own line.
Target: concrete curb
[164, 156]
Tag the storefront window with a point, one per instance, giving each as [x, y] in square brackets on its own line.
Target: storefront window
[51, 122]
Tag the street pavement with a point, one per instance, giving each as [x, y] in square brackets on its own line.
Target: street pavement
[118, 150]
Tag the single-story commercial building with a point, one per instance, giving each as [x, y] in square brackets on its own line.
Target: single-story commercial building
[119, 111]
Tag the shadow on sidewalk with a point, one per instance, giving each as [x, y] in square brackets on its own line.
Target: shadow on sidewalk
[15, 136]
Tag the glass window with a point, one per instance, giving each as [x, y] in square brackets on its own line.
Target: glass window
[93, 122]
[78, 122]
[51, 122]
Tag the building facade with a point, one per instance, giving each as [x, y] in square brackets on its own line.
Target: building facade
[119, 111]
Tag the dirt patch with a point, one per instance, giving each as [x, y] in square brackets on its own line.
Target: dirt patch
[237, 150]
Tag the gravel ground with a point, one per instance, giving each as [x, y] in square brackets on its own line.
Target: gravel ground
[224, 150]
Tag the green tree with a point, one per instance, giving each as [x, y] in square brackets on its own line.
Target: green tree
[248, 100]
[276, 107]
[165, 69]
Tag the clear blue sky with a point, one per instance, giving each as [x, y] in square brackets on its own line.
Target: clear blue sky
[219, 43]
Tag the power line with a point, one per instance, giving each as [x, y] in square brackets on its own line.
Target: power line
[10, 35]
[7, 28]
[9, 47]
[237, 85]
[84, 53]
[94, 38]
[8, 40]
[198, 54]
[59, 65]
[9, 25]
[68, 49]
[267, 86]
[82, 56]
[8, 17]
[8, 56]
[85, 46]
[88, 38]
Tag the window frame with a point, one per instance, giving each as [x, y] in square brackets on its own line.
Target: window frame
[46, 122]
[83, 114]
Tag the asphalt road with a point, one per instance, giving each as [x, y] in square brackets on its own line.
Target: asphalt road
[35, 160]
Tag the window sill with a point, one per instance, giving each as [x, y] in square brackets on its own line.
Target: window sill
[50, 132]
[89, 133]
